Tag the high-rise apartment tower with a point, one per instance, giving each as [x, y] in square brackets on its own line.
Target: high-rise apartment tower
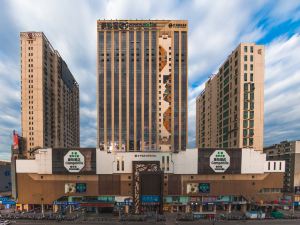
[230, 110]
[50, 96]
[142, 85]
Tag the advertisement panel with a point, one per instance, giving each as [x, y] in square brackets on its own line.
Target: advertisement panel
[70, 188]
[219, 161]
[216, 161]
[192, 188]
[75, 188]
[204, 187]
[74, 161]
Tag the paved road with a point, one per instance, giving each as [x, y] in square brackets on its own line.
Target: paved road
[204, 222]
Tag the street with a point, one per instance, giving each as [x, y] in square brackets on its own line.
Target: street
[248, 222]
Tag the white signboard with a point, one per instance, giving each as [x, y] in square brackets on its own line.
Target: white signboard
[219, 161]
[74, 161]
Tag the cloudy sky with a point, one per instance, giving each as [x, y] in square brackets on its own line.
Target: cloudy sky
[215, 29]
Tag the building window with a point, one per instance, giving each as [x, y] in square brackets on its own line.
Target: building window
[251, 76]
[251, 58]
[251, 67]
[251, 132]
[251, 123]
[245, 66]
[280, 166]
[245, 49]
[245, 132]
[251, 49]
[168, 163]
[250, 141]
[245, 76]
[244, 141]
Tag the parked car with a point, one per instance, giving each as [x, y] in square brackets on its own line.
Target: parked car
[5, 222]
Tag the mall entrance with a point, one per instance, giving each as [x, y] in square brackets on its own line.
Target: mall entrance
[148, 187]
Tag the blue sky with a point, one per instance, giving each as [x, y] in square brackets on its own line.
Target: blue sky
[215, 29]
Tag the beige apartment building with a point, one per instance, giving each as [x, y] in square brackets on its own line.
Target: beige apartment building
[230, 110]
[289, 151]
[142, 85]
[50, 96]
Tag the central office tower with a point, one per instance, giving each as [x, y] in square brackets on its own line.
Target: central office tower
[142, 85]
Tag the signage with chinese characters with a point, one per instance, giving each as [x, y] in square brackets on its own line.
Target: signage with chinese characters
[219, 161]
[74, 161]
[145, 155]
[150, 198]
[125, 25]
[177, 25]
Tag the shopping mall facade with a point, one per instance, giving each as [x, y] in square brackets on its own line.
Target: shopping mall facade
[192, 180]
[141, 162]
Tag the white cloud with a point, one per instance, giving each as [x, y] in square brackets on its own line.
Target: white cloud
[215, 29]
[282, 89]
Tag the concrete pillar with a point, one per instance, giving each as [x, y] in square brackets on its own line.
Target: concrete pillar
[126, 209]
[55, 208]
[201, 208]
[244, 208]
[229, 208]
[187, 208]
[215, 208]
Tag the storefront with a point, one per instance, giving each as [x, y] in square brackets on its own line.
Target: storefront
[176, 203]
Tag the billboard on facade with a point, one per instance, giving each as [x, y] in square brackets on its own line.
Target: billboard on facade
[70, 188]
[204, 187]
[74, 161]
[75, 188]
[192, 188]
[219, 161]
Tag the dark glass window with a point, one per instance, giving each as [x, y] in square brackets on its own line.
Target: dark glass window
[101, 88]
[108, 88]
[131, 90]
[176, 91]
[183, 89]
[138, 89]
[116, 88]
[146, 90]
[123, 87]
[154, 90]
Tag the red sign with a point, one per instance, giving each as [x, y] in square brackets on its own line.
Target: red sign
[15, 140]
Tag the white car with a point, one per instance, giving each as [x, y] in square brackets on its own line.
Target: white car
[4, 222]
